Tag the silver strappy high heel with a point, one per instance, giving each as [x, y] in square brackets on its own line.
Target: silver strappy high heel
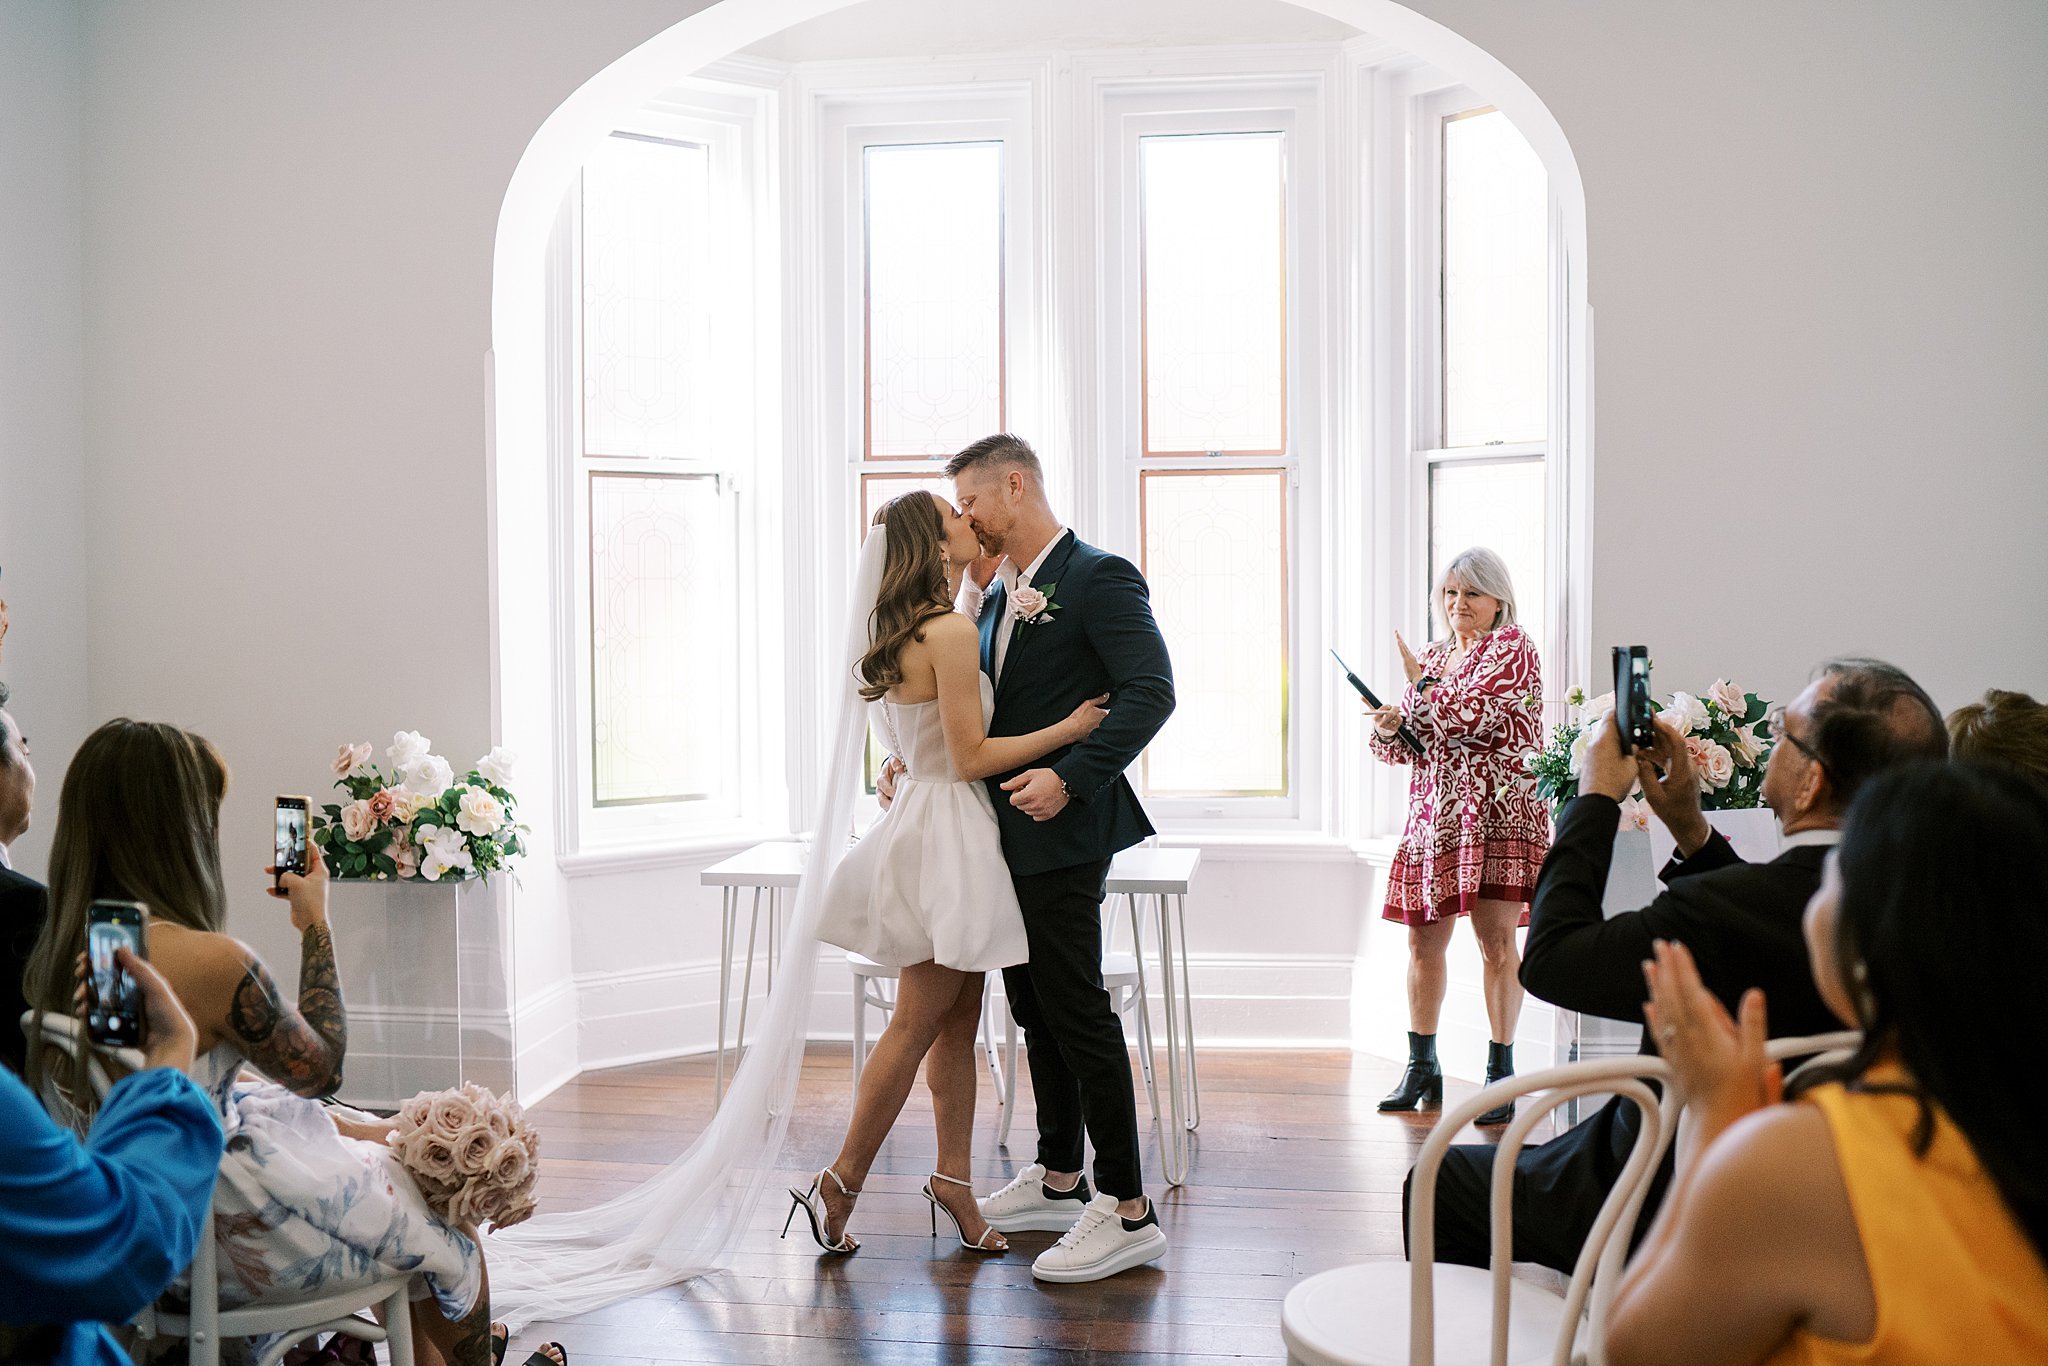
[981, 1244]
[813, 1205]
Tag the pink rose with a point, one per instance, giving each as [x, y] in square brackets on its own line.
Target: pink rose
[472, 1147]
[508, 1163]
[357, 822]
[1712, 762]
[413, 1112]
[382, 804]
[428, 1156]
[1749, 747]
[1026, 603]
[350, 758]
[1729, 699]
[519, 1212]
[448, 1114]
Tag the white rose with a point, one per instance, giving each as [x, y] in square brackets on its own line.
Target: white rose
[1688, 713]
[1749, 747]
[496, 767]
[357, 822]
[1729, 699]
[407, 746]
[1596, 709]
[428, 775]
[405, 804]
[480, 813]
[1579, 748]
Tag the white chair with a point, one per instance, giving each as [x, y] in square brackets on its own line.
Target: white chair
[1385, 1313]
[206, 1324]
[871, 991]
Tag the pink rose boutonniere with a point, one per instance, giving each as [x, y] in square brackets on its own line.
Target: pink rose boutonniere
[1033, 606]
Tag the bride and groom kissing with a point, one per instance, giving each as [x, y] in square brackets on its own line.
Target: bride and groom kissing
[1009, 731]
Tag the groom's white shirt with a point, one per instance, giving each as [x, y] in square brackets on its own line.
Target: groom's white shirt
[1007, 572]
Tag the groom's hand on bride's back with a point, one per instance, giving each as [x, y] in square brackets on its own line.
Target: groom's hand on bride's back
[1039, 793]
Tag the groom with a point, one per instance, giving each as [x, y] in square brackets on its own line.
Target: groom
[1062, 622]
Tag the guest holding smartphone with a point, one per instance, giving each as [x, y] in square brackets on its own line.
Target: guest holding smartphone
[1476, 830]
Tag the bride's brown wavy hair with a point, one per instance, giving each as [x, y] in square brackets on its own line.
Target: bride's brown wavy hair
[913, 588]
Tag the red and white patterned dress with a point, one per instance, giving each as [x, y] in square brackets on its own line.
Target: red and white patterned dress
[1476, 828]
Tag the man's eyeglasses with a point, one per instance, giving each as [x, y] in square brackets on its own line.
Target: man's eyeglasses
[1775, 719]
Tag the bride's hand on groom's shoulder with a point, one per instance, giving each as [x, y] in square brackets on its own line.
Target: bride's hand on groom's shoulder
[1039, 793]
[1086, 717]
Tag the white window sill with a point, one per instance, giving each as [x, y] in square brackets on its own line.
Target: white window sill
[672, 853]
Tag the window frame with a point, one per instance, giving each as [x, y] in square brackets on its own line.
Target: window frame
[1290, 100]
[736, 125]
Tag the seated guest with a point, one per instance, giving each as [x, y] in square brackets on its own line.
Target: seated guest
[1897, 1213]
[301, 1205]
[21, 898]
[91, 1233]
[1740, 920]
[2008, 728]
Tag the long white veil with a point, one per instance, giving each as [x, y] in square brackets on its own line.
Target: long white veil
[686, 1221]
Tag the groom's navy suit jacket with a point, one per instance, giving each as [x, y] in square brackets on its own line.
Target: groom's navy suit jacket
[1100, 638]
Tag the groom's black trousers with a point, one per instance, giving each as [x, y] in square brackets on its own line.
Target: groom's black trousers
[1080, 1071]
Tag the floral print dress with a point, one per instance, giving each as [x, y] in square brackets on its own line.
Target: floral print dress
[300, 1211]
[1476, 828]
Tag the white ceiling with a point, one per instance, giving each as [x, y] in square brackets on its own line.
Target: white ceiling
[925, 28]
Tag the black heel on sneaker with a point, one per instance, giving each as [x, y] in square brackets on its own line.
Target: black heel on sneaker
[1423, 1081]
[1500, 1065]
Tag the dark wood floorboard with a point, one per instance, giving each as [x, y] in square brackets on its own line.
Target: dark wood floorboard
[1294, 1171]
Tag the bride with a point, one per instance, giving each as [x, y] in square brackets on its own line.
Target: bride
[927, 891]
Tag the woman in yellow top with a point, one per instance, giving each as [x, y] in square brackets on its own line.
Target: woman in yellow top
[1898, 1213]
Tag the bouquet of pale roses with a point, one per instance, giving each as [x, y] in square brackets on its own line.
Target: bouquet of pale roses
[419, 820]
[471, 1153]
[1725, 732]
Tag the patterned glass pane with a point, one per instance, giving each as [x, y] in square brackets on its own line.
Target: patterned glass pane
[663, 676]
[877, 489]
[1216, 556]
[1214, 273]
[934, 297]
[1498, 504]
[1495, 295]
[646, 323]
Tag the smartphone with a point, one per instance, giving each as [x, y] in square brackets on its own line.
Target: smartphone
[113, 1001]
[291, 837]
[1632, 697]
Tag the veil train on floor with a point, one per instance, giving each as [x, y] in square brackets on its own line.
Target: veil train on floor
[686, 1221]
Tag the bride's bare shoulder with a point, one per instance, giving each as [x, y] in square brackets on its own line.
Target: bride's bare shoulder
[952, 631]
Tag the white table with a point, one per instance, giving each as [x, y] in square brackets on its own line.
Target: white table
[771, 868]
[1162, 875]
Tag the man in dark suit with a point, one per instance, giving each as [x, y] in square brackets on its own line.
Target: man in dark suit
[22, 900]
[1060, 623]
[1743, 922]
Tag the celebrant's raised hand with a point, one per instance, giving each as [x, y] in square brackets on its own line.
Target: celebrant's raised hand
[1410, 665]
[1671, 785]
[1386, 720]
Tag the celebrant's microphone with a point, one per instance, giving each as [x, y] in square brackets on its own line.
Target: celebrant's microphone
[1404, 735]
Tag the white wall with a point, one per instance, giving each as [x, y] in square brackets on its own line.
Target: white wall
[1818, 393]
[44, 532]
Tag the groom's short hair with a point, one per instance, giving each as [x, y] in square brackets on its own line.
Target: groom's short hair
[999, 452]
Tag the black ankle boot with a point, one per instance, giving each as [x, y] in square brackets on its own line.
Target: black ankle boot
[1500, 1062]
[1423, 1081]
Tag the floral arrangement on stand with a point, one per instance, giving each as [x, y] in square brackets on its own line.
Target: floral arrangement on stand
[419, 820]
[471, 1153]
[1725, 733]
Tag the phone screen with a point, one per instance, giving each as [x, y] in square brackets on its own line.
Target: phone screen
[291, 835]
[114, 1014]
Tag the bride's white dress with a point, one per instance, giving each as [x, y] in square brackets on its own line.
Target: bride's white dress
[927, 881]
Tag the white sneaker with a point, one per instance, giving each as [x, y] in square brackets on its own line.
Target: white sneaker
[1102, 1244]
[1028, 1204]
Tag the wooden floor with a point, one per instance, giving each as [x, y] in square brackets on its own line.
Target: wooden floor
[1295, 1171]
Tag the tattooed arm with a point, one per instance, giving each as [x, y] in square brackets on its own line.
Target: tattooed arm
[298, 1046]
